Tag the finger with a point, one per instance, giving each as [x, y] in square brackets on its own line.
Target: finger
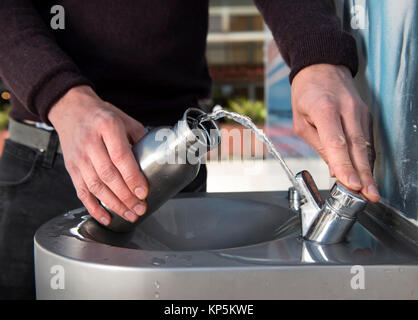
[134, 128]
[97, 187]
[358, 154]
[328, 123]
[121, 154]
[312, 138]
[110, 175]
[310, 135]
[367, 125]
[89, 201]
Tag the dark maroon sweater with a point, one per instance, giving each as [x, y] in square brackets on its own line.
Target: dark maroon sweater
[146, 57]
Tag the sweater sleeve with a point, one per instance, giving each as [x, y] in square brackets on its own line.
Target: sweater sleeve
[32, 64]
[309, 32]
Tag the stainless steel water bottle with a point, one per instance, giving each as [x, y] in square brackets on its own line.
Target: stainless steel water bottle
[170, 158]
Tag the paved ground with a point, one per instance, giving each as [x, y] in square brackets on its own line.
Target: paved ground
[263, 175]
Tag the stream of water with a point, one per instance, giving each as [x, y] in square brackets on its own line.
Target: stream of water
[219, 113]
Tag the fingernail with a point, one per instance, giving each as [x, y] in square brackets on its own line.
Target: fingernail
[140, 209]
[104, 221]
[130, 216]
[354, 181]
[140, 193]
[373, 190]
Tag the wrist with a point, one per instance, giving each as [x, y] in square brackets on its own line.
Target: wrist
[324, 74]
[69, 101]
[323, 68]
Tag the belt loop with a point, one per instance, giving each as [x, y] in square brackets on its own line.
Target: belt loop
[51, 151]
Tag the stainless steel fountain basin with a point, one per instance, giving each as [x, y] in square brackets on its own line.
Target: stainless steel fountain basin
[224, 246]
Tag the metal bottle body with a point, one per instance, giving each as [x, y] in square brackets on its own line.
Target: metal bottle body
[170, 159]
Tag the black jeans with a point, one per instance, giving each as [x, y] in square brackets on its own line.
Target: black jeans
[33, 190]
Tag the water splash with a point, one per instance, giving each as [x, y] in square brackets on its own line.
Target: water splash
[219, 112]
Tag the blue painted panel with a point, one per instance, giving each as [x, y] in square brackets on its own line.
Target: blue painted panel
[387, 80]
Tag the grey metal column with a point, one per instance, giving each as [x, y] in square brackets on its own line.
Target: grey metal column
[387, 40]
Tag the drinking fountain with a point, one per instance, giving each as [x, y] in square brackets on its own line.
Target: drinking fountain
[225, 246]
[254, 245]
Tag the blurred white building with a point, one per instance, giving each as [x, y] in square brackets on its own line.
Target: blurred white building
[244, 62]
[235, 50]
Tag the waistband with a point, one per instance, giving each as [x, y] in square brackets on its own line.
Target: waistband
[39, 138]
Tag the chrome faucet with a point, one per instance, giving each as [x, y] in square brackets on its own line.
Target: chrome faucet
[328, 221]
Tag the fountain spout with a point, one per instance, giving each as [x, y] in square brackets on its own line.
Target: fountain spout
[328, 221]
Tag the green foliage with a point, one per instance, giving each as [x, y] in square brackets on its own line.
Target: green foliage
[4, 116]
[251, 108]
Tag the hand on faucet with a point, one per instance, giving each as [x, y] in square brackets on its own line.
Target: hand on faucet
[329, 114]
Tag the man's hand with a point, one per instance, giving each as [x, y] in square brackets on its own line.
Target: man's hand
[96, 140]
[329, 114]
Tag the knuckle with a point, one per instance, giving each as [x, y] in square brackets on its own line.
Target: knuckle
[132, 179]
[128, 198]
[106, 120]
[107, 173]
[322, 152]
[343, 168]
[70, 166]
[365, 172]
[358, 141]
[342, 165]
[83, 194]
[119, 155]
[95, 186]
[95, 211]
[88, 136]
[351, 103]
[327, 105]
[337, 142]
[354, 108]
[363, 165]
[117, 207]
